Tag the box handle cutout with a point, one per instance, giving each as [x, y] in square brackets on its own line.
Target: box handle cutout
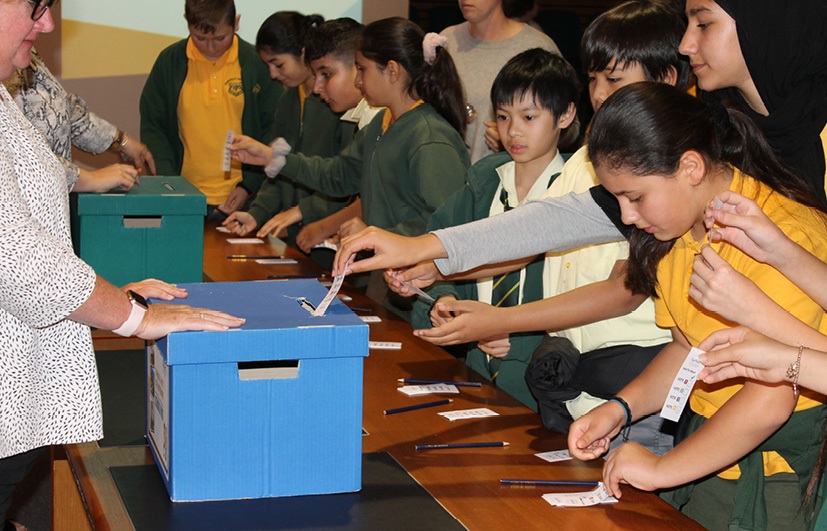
[268, 370]
[142, 222]
[169, 187]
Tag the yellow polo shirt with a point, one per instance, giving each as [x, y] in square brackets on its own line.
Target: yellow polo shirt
[674, 307]
[210, 104]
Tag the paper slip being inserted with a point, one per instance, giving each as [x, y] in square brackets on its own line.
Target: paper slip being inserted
[416, 390]
[682, 386]
[462, 414]
[237, 241]
[580, 499]
[555, 455]
[331, 294]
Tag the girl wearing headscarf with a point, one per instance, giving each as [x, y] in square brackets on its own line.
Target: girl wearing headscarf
[768, 58]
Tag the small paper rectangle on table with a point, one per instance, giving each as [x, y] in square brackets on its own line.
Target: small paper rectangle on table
[554, 456]
[239, 241]
[417, 390]
[580, 499]
[462, 414]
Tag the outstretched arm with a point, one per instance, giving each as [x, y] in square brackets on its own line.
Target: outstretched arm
[550, 224]
[578, 307]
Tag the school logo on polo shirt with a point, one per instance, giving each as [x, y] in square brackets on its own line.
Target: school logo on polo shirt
[234, 86]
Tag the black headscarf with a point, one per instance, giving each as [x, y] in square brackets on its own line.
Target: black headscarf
[784, 43]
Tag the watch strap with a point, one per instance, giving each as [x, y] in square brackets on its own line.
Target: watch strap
[136, 316]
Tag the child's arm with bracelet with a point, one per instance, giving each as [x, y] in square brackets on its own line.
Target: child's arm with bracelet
[589, 435]
[743, 353]
[754, 413]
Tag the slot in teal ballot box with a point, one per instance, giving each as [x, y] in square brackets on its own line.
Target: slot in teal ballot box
[273, 408]
[156, 230]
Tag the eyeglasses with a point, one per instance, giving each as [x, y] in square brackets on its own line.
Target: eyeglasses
[39, 7]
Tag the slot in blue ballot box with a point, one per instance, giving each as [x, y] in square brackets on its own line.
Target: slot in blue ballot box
[273, 408]
[154, 230]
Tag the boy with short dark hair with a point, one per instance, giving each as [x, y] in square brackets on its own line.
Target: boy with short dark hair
[199, 89]
[534, 98]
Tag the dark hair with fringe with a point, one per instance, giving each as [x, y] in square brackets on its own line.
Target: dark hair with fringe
[646, 32]
[398, 39]
[338, 38]
[208, 15]
[545, 76]
[286, 32]
[644, 128]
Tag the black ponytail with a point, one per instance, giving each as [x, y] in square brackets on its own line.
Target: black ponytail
[286, 32]
[399, 39]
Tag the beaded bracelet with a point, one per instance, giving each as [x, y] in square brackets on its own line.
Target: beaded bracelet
[794, 369]
[628, 411]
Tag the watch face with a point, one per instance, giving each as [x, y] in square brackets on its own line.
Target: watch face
[138, 298]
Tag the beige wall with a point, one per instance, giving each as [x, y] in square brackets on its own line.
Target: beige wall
[116, 98]
[379, 9]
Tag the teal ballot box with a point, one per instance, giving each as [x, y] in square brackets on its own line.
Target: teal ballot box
[156, 230]
[273, 408]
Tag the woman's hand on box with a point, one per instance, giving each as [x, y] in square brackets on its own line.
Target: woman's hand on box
[152, 288]
[163, 319]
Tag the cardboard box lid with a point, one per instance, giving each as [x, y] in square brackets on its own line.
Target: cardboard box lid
[155, 196]
[277, 327]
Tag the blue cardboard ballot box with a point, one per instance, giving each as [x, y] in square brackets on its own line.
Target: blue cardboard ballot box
[154, 230]
[273, 408]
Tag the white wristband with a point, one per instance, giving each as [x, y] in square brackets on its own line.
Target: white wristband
[136, 316]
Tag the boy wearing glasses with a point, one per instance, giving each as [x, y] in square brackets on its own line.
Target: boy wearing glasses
[199, 89]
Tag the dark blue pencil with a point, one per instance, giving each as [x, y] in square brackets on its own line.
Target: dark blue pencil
[446, 382]
[549, 482]
[418, 406]
[461, 445]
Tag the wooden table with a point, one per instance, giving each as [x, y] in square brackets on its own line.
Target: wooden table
[465, 482]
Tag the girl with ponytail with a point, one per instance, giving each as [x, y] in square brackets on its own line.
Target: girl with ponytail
[666, 156]
[304, 121]
[410, 158]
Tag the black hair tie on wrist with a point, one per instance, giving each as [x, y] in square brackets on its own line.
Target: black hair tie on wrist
[624, 432]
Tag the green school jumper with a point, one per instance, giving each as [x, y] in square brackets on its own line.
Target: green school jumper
[402, 175]
[319, 132]
[159, 108]
[471, 203]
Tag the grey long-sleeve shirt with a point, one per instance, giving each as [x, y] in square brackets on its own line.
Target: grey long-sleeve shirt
[546, 225]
